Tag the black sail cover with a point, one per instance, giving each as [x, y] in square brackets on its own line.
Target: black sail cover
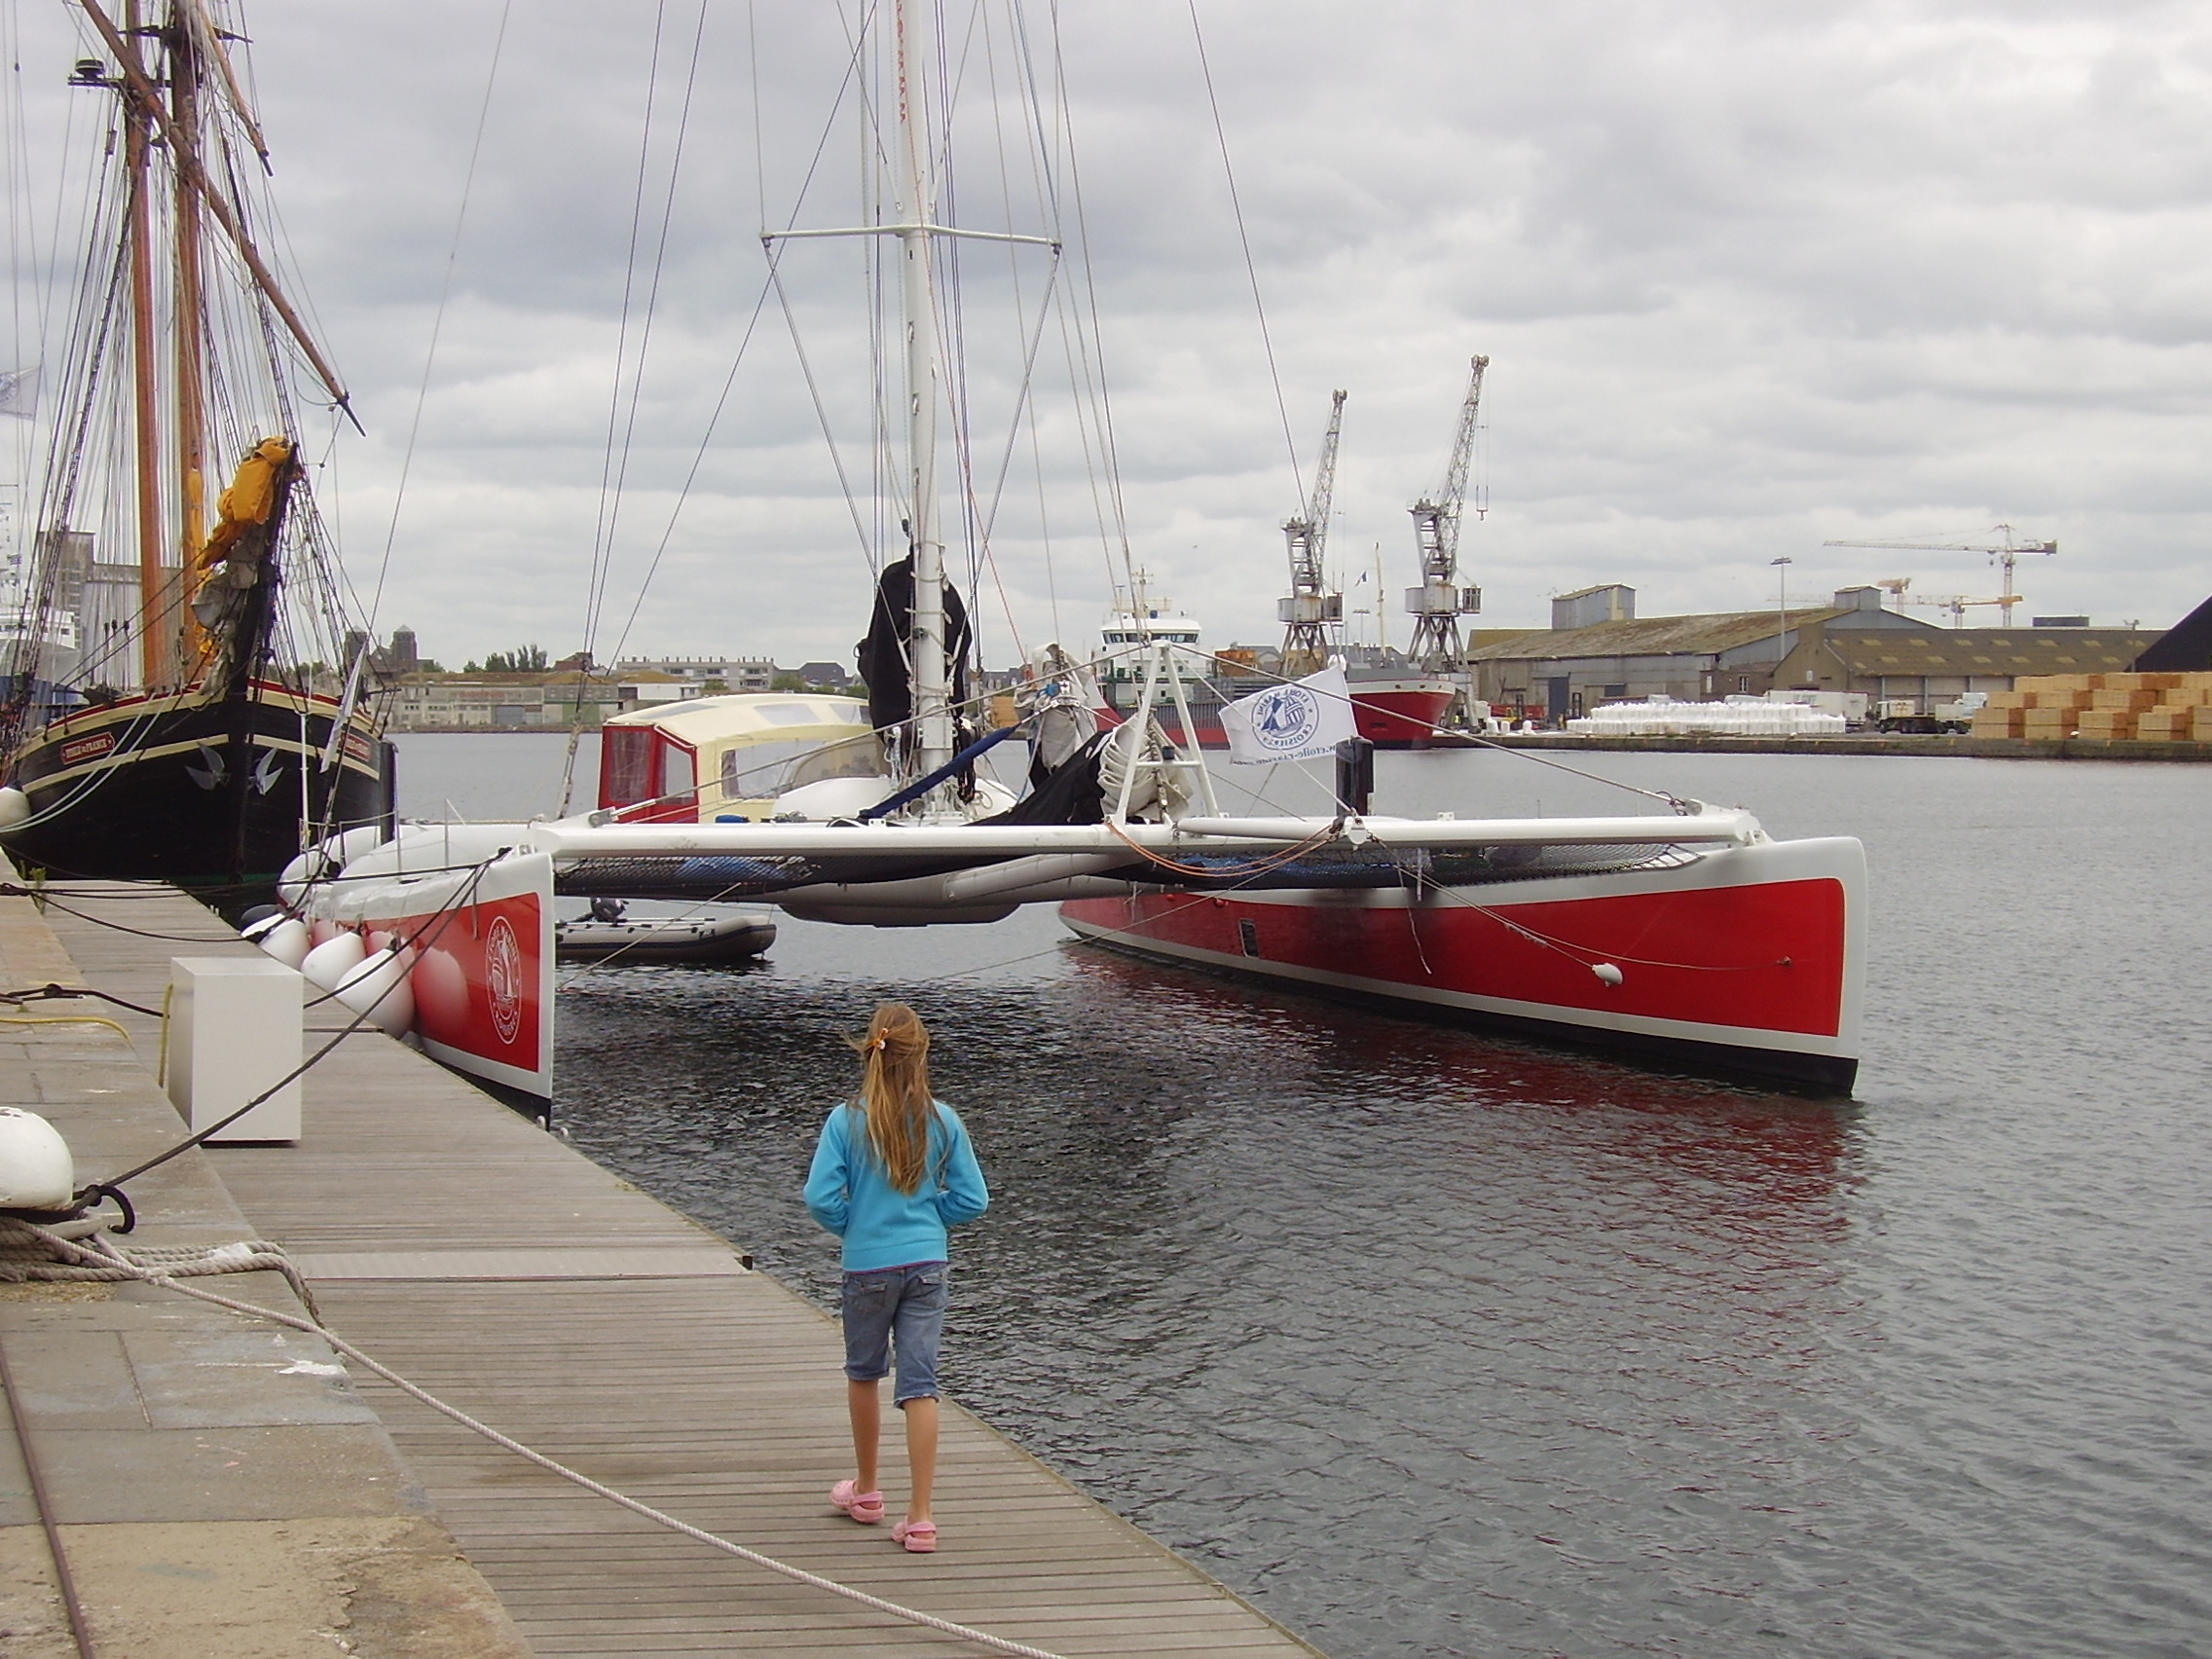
[890, 633]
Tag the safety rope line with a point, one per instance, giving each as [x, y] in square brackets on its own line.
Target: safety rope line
[64, 1580]
[1258, 866]
[51, 992]
[1582, 955]
[168, 1267]
[44, 896]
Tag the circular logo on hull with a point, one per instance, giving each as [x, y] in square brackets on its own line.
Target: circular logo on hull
[503, 978]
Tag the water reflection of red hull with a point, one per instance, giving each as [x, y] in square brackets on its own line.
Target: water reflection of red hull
[1745, 961]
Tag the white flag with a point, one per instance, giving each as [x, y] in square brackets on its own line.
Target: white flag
[18, 392]
[1302, 720]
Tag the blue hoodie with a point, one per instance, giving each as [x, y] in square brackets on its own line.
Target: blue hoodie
[848, 1192]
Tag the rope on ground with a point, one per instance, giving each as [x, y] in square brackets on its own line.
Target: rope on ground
[44, 896]
[63, 1257]
[51, 992]
[65, 1019]
[33, 1254]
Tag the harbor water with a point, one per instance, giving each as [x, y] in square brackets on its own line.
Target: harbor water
[1438, 1344]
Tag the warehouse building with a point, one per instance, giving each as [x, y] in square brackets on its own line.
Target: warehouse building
[1598, 650]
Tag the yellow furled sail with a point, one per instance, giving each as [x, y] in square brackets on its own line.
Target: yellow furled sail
[251, 497]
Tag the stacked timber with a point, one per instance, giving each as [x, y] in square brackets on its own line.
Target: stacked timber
[2102, 708]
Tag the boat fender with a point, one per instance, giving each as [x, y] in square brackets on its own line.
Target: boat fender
[1607, 973]
[36, 1171]
[328, 963]
[286, 939]
[379, 988]
[15, 807]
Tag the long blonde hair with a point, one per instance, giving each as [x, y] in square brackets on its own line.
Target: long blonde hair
[895, 1093]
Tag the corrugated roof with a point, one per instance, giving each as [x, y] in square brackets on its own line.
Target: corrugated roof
[1874, 651]
[1653, 636]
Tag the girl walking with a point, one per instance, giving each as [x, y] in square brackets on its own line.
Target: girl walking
[893, 1170]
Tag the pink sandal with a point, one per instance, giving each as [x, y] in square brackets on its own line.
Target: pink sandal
[865, 1507]
[918, 1537]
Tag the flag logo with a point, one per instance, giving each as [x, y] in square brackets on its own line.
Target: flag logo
[1300, 722]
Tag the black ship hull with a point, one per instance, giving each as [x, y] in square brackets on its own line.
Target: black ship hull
[154, 788]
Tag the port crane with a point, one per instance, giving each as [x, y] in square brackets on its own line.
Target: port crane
[1310, 612]
[2004, 554]
[1438, 604]
[1954, 603]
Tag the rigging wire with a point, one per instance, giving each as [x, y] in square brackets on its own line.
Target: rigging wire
[614, 456]
[1251, 268]
[438, 319]
[773, 250]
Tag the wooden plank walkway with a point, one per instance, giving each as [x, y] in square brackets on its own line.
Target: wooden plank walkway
[496, 1267]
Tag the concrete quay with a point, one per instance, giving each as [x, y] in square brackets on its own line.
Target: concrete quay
[215, 1501]
[220, 1487]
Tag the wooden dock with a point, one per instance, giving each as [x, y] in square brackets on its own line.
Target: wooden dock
[491, 1262]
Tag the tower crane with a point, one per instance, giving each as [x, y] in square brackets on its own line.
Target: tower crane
[1309, 611]
[2005, 553]
[1438, 604]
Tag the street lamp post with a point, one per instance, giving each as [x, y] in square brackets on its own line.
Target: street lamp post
[1781, 614]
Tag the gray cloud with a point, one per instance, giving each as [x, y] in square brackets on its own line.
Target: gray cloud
[1750, 277]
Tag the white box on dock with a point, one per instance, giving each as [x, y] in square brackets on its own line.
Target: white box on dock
[236, 1025]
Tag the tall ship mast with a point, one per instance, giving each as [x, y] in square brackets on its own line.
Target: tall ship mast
[181, 687]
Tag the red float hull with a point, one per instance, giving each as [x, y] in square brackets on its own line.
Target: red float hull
[1746, 961]
[482, 974]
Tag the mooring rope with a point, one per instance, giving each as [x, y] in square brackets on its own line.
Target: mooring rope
[166, 1267]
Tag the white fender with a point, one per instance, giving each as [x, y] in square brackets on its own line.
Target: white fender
[327, 965]
[325, 857]
[15, 807]
[36, 1170]
[286, 939]
[379, 988]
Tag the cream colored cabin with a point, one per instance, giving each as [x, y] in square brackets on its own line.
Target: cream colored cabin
[723, 760]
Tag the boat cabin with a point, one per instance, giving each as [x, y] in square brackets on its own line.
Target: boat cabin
[727, 759]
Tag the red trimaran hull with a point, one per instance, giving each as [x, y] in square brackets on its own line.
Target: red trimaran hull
[1746, 961]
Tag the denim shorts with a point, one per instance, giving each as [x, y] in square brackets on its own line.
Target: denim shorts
[896, 1310]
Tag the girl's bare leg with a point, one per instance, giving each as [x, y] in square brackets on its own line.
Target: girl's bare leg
[921, 1455]
[861, 1400]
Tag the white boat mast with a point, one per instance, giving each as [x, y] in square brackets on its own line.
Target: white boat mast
[933, 716]
[916, 229]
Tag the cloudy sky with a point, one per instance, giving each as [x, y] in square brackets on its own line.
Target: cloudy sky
[1750, 277]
